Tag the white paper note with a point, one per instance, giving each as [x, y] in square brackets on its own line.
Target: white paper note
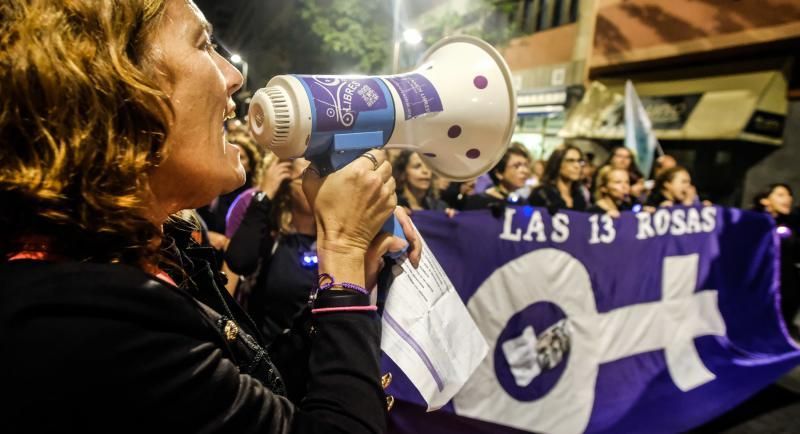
[428, 332]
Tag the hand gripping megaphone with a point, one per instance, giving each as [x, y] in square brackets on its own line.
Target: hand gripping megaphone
[457, 110]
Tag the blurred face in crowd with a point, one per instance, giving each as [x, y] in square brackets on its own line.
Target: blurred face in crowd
[538, 169]
[679, 187]
[517, 171]
[779, 201]
[621, 159]
[618, 186]
[588, 172]
[571, 166]
[440, 183]
[663, 163]
[467, 187]
[418, 176]
[200, 164]
[299, 201]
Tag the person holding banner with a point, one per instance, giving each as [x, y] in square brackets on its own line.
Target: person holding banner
[776, 200]
[673, 187]
[622, 157]
[508, 176]
[111, 121]
[612, 193]
[560, 186]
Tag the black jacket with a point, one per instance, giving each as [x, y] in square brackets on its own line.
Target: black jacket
[107, 348]
[548, 196]
[278, 284]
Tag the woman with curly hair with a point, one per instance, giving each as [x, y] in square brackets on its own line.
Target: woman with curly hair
[111, 121]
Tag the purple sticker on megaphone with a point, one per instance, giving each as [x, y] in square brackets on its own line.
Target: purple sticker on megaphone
[339, 100]
[417, 93]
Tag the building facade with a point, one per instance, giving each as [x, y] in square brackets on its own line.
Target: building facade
[718, 80]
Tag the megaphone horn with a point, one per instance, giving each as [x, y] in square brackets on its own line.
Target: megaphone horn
[457, 110]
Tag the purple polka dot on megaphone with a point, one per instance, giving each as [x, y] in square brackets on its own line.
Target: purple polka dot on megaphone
[473, 153]
[480, 82]
[454, 131]
[429, 154]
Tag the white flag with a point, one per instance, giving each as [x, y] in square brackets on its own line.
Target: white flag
[639, 135]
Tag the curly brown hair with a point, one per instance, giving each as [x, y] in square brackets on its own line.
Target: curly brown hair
[81, 123]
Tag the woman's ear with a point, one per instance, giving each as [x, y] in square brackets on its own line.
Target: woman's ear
[765, 203]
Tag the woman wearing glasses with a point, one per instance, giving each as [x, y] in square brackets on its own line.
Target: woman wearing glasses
[560, 186]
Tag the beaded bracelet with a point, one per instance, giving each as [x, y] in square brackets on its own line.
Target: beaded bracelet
[355, 299]
[344, 285]
[334, 284]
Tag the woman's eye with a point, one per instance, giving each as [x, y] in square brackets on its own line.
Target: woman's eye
[208, 44]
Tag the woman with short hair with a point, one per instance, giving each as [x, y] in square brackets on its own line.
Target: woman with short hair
[509, 175]
[612, 193]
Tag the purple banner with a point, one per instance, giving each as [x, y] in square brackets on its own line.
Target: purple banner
[644, 323]
[417, 93]
[339, 100]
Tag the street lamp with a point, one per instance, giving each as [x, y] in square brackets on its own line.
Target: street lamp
[237, 59]
[410, 37]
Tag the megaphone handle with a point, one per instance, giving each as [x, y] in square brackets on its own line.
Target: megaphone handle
[392, 227]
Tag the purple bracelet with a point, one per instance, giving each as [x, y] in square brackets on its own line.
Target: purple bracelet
[333, 284]
[345, 285]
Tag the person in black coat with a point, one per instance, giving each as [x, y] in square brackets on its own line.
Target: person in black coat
[111, 320]
[269, 245]
[560, 185]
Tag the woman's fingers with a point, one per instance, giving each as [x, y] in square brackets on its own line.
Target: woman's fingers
[385, 171]
[373, 260]
[370, 160]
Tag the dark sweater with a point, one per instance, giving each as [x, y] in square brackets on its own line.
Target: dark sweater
[98, 348]
[280, 284]
[548, 196]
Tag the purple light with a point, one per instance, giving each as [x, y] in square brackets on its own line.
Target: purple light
[783, 231]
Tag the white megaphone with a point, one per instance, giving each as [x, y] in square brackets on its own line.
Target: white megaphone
[457, 110]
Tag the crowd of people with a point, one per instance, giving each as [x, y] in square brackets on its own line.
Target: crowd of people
[270, 226]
